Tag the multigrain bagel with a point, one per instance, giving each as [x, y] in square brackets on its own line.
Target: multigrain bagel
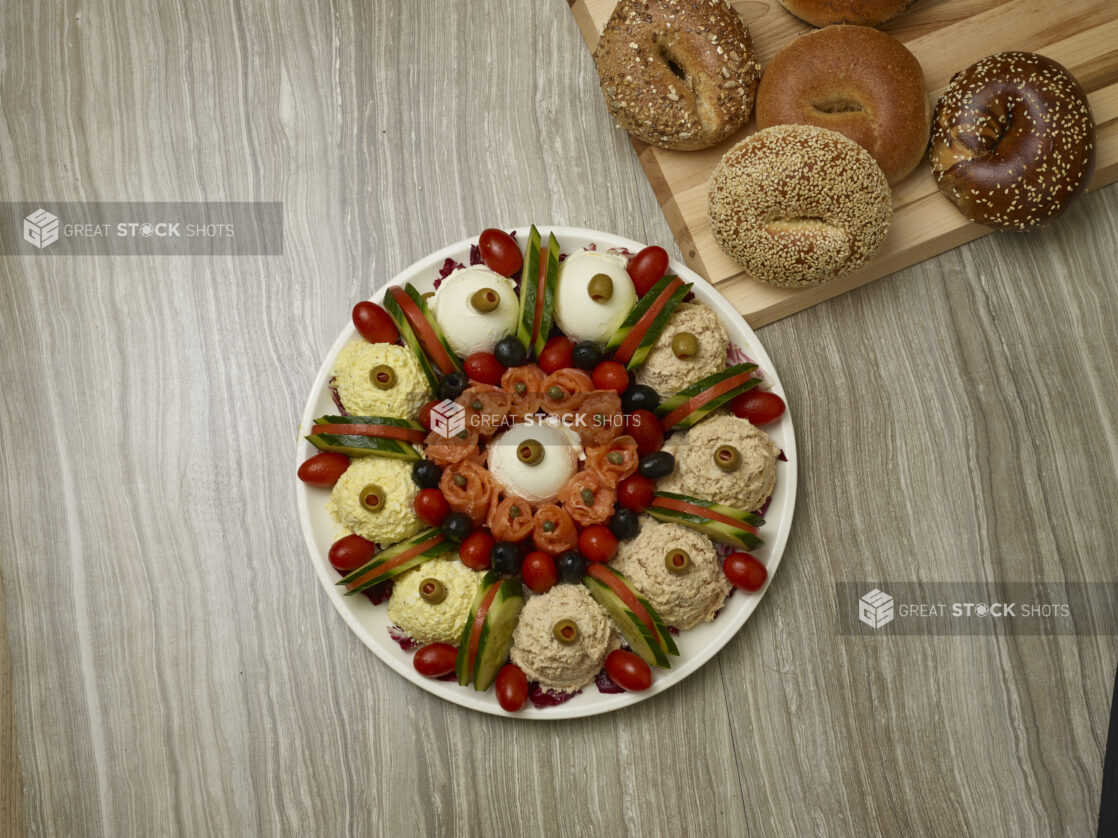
[798, 205]
[858, 12]
[855, 80]
[677, 74]
[1013, 140]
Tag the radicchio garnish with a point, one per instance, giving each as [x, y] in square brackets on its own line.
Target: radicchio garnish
[781, 456]
[449, 267]
[606, 685]
[735, 355]
[333, 386]
[548, 698]
[406, 643]
[765, 506]
[475, 255]
[379, 594]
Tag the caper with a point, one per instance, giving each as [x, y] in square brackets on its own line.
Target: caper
[485, 299]
[372, 498]
[383, 377]
[685, 345]
[476, 404]
[677, 561]
[514, 512]
[529, 452]
[549, 526]
[727, 458]
[432, 591]
[615, 458]
[587, 496]
[555, 393]
[566, 632]
[600, 288]
[459, 480]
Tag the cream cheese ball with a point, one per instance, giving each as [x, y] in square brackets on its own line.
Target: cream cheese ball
[570, 664]
[380, 379]
[374, 500]
[698, 472]
[595, 295]
[476, 307]
[667, 371]
[535, 459]
[432, 602]
[685, 591]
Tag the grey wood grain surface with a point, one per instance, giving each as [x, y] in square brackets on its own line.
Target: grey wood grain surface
[175, 667]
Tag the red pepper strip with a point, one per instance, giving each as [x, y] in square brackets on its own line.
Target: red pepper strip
[702, 511]
[383, 431]
[640, 328]
[695, 402]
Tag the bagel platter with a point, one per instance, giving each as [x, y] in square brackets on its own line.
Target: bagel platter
[656, 67]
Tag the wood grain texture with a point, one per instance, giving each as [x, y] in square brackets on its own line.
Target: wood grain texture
[945, 36]
[11, 782]
[176, 669]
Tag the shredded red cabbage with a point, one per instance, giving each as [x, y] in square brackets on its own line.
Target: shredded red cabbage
[781, 457]
[475, 255]
[606, 685]
[548, 698]
[765, 506]
[379, 594]
[406, 643]
[333, 385]
[449, 267]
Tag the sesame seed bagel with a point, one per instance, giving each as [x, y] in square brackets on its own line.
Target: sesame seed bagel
[858, 12]
[855, 80]
[799, 205]
[677, 74]
[1013, 140]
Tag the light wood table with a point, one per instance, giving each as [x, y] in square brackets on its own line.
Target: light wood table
[175, 667]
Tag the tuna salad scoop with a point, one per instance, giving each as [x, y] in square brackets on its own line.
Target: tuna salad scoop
[431, 602]
[677, 570]
[724, 459]
[374, 500]
[691, 347]
[562, 638]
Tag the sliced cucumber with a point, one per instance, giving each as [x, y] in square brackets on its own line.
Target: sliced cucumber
[496, 634]
[394, 560]
[529, 285]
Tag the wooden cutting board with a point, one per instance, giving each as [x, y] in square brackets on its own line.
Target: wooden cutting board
[946, 36]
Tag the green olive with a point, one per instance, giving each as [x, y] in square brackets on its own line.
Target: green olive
[383, 377]
[485, 299]
[426, 295]
[615, 457]
[555, 393]
[677, 561]
[566, 632]
[600, 288]
[685, 345]
[432, 591]
[372, 498]
[727, 458]
[529, 452]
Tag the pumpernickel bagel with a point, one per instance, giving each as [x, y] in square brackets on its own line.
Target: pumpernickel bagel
[678, 74]
[858, 12]
[1013, 140]
[799, 205]
[855, 80]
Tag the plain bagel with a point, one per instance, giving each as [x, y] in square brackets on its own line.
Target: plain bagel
[858, 12]
[1013, 140]
[677, 74]
[799, 205]
[855, 80]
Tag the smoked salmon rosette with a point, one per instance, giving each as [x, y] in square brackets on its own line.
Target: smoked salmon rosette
[445, 451]
[598, 417]
[564, 390]
[524, 384]
[469, 488]
[613, 462]
[486, 409]
[511, 520]
[587, 500]
[553, 530]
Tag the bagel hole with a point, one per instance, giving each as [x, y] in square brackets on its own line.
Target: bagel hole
[664, 47]
[677, 71]
[838, 104]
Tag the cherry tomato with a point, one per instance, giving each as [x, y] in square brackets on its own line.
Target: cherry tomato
[745, 571]
[435, 660]
[647, 267]
[539, 572]
[643, 426]
[512, 687]
[597, 543]
[758, 406]
[628, 671]
[475, 549]
[374, 324]
[431, 507]
[484, 367]
[499, 252]
[425, 413]
[610, 375]
[349, 553]
[323, 469]
[636, 492]
[557, 354]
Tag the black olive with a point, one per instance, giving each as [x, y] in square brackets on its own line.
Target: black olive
[657, 465]
[506, 558]
[457, 525]
[639, 397]
[453, 385]
[586, 355]
[624, 524]
[571, 566]
[426, 474]
[510, 352]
